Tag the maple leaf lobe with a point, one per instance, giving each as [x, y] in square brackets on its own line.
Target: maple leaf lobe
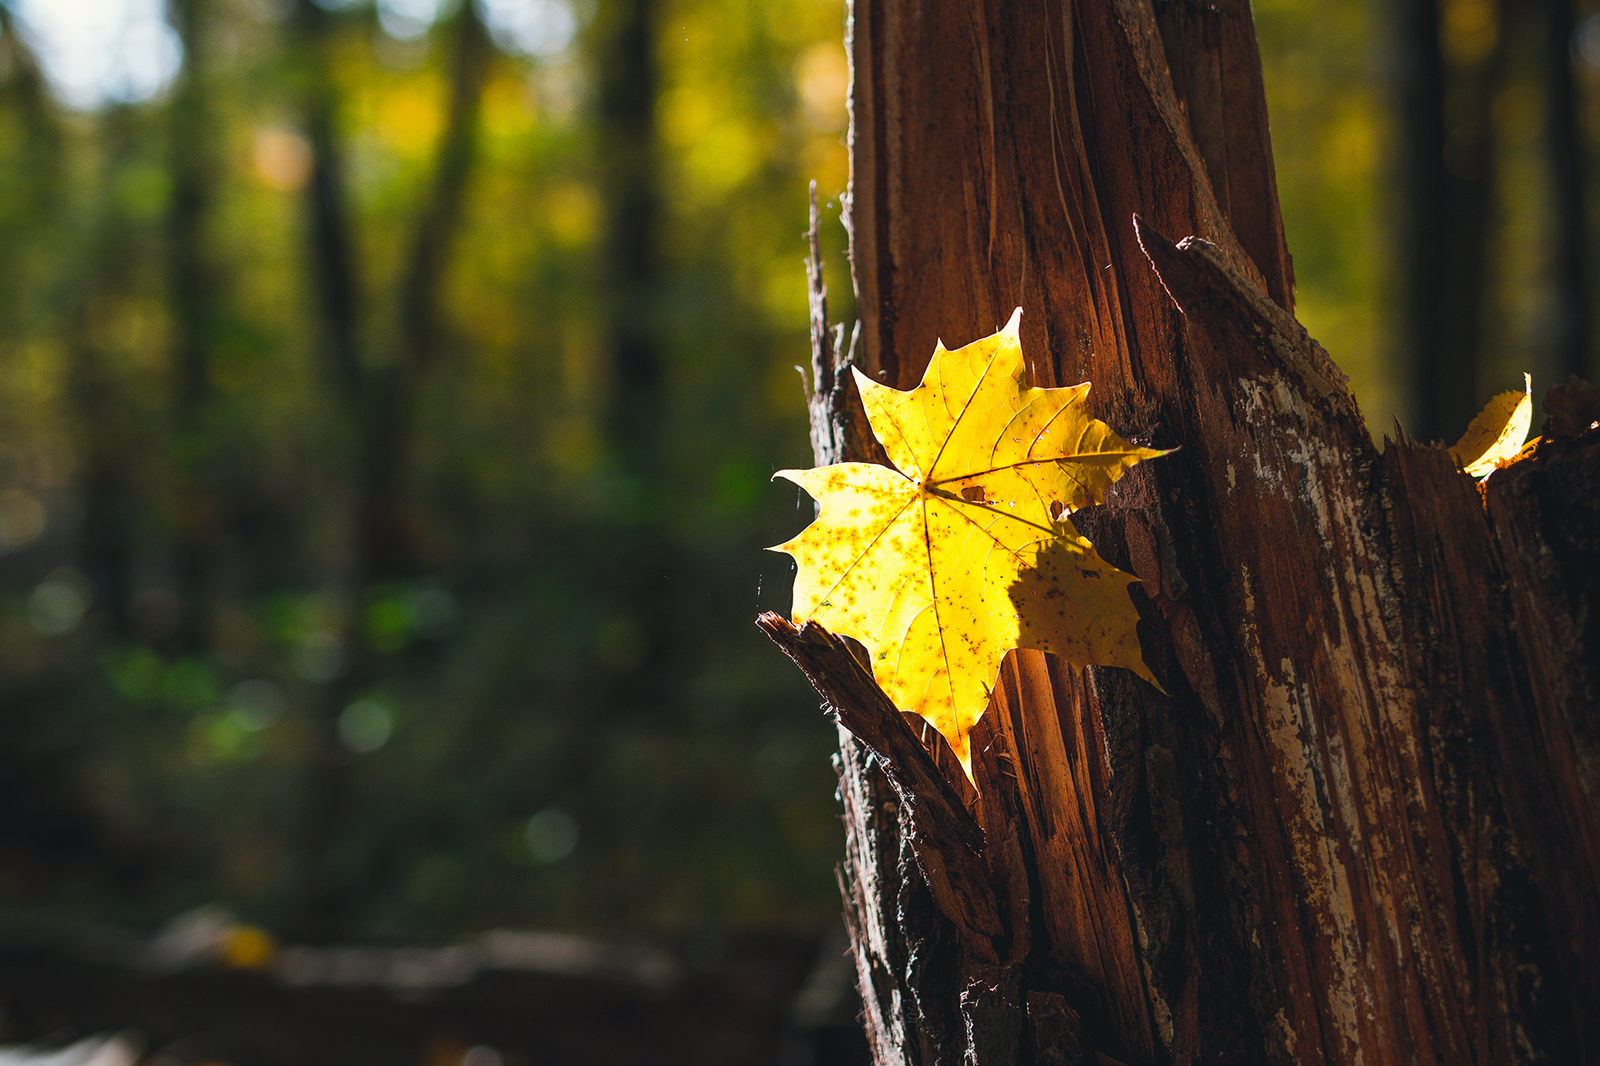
[960, 553]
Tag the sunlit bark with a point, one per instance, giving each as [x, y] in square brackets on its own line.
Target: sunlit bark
[1360, 823]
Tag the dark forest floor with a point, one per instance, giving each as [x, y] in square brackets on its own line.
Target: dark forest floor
[507, 999]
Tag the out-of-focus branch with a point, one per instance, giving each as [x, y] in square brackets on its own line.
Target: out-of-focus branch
[1447, 180]
[192, 284]
[1571, 230]
[382, 406]
[333, 262]
[382, 528]
[629, 164]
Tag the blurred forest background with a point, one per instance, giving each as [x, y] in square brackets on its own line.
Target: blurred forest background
[388, 396]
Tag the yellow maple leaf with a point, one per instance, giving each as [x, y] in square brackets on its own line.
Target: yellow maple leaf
[1498, 431]
[961, 553]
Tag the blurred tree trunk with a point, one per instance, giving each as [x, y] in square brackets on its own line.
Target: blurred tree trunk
[334, 270]
[99, 403]
[336, 278]
[23, 95]
[98, 409]
[1361, 826]
[630, 185]
[385, 530]
[381, 409]
[1447, 160]
[96, 267]
[1451, 144]
[192, 285]
[639, 634]
[1573, 327]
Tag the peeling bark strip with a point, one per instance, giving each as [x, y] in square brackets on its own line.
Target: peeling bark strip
[944, 837]
[1365, 825]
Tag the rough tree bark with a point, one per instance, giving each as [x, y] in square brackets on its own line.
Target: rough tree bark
[1361, 826]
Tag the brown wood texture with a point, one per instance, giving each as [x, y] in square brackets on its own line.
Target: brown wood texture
[1360, 824]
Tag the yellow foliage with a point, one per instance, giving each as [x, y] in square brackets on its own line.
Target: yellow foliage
[410, 117]
[1496, 435]
[1468, 30]
[282, 158]
[572, 211]
[508, 107]
[821, 78]
[962, 552]
[245, 947]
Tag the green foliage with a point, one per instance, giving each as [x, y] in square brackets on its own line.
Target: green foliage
[509, 681]
[1332, 138]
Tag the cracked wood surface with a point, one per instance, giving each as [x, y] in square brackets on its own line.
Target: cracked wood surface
[1362, 826]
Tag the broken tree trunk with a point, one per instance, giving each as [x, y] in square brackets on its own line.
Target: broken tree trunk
[1361, 824]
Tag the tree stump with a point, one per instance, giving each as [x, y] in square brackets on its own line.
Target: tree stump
[1362, 824]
